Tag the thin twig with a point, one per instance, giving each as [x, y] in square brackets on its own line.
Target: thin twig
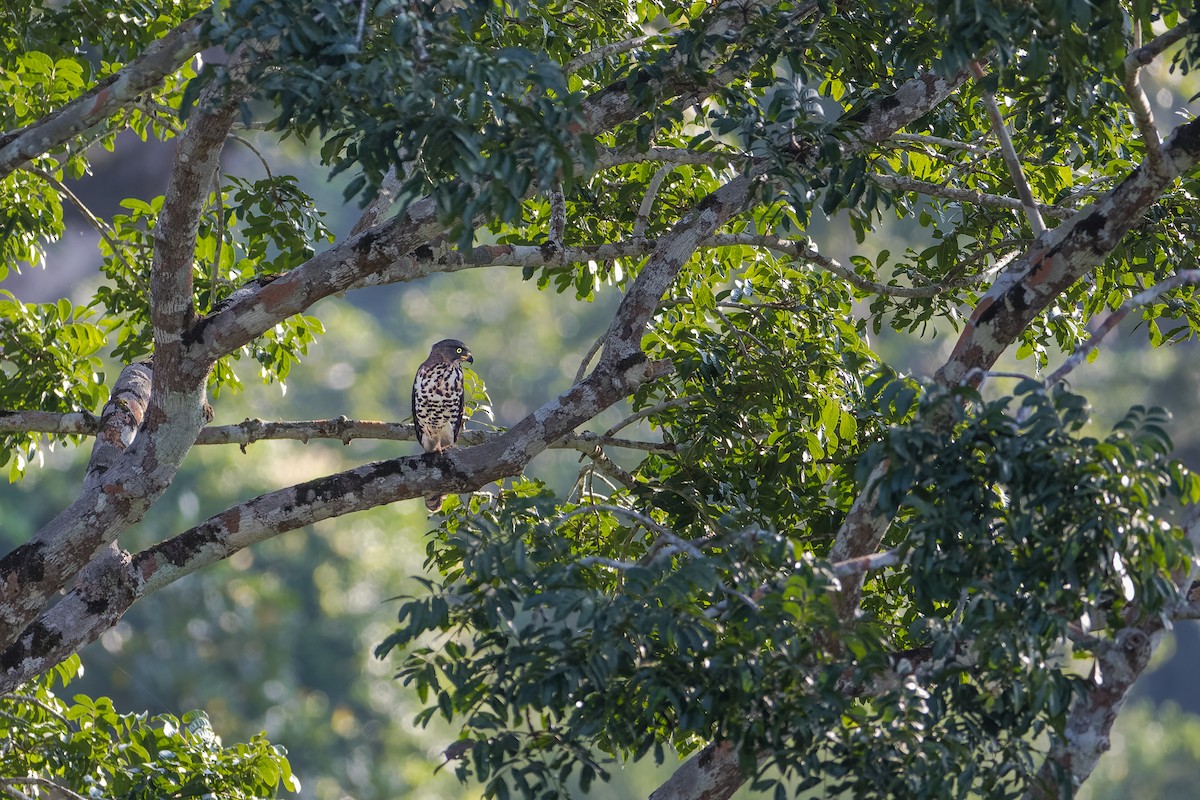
[30, 700]
[663, 532]
[32, 780]
[587, 358]
[1010, 154]
[607, 468]
[615, 157]
[1189, 277]
[905, 184]
[242, 140]
[86, 212]
[939, 141]
[607, 51]
[645, 412]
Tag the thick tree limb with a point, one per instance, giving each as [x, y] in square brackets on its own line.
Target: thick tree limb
[187, 351]
[121, 90]
[1074, 755]
[1067, 253]
[1085, 737]
[715, 773]
[711, 774]
[377, 255]
[119, 422]
[79, 617]
[621, 368]
[133, 479]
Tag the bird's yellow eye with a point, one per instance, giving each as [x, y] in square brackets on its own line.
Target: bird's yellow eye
[458, 350]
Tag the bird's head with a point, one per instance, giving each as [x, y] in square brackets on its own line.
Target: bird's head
[451, 351]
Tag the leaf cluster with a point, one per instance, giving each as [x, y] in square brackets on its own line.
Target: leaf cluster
[560, 629]
[86, 747]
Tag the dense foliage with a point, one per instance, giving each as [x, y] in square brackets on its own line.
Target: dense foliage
[86, 748]
[567, 627]
[843, 575]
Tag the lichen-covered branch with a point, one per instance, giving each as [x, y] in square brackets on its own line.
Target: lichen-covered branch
[122, 485]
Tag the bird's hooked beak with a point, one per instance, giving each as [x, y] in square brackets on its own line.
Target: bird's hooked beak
[468, 358]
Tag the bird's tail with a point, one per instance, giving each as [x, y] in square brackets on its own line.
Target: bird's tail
[433, 502]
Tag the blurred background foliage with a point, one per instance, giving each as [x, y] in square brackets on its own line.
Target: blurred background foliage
[280, 638]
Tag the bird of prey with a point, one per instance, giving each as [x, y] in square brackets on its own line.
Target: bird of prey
[437, 401]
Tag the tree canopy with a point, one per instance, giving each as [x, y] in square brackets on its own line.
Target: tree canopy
[784, 556]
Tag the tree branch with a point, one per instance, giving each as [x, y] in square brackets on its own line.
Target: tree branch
[863, 564]
[106, 590]
[615, 157]
[607, 51]
[901, 183]
[385, 253]
[621, 369]
[377, 209]
[119, 421]
[1031, 283]
[1085, 737]
[1139, 104]
[1011, 158]
[715, 772]
[341, 429]
[647, 205]
[119, 91]
[136, 476]
[1189, 277]
[1064, 256]
[939, 141]
[85, 212]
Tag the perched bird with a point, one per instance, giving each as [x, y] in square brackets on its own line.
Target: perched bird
[437, 401]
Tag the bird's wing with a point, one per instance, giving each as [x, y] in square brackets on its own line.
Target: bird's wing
[462, 402]
[417, 425]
